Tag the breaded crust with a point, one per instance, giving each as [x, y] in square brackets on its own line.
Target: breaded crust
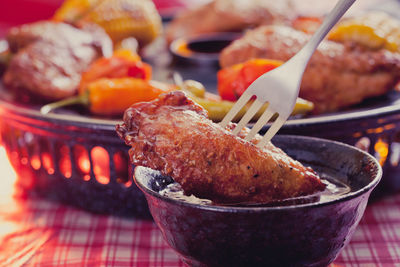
[173, 135]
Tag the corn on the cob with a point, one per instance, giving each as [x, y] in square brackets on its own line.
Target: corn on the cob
[374, 30]
[119, 18]
[73, 10]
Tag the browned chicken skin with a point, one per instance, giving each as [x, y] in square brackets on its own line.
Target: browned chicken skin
[228, 15]
[50, 57]
[173, 135]
[337, 76]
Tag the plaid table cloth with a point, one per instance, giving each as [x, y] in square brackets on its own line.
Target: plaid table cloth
[42, 233]
[36, 232]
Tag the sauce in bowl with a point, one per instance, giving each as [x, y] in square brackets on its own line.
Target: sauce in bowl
[202, 48]
[334, 188]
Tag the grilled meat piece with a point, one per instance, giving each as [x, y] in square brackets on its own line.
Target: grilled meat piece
[50, 57]
[59, 33]
[337, 76]
[173, 135]
[47, 70]
[229, 15]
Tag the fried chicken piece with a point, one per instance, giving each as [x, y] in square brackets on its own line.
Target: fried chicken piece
[229, 15]
[337, 76]
[50, 57]
[172, 134]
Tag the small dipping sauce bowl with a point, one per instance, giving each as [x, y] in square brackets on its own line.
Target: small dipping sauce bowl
[293, 233]
[202, 49]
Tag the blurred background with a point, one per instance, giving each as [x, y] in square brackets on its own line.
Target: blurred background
[22, 11]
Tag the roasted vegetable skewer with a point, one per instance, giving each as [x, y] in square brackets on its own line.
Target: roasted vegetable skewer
[218, 108]
[111, 96]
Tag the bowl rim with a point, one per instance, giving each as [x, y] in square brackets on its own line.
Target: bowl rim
[217, 36]
[369, 187]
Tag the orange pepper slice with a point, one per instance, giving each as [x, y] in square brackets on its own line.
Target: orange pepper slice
[114, 96]
[123, 63]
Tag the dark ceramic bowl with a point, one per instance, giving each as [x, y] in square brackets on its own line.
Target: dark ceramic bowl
[310, 234]
[202, 49]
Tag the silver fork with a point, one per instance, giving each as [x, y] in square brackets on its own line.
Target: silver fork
[285, 81]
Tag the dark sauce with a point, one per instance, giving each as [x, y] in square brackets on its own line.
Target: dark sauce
[208, 46]
[333, 190]
[175, 191]
[203, 47]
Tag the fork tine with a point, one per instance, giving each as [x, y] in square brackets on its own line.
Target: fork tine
[265, 117]
[276, 125]
[236, 108]
[257, 104]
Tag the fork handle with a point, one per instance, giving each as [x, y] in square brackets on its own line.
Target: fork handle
[332, 18]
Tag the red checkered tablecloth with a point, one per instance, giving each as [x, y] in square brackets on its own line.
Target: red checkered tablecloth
[42, 233]
[36, 232]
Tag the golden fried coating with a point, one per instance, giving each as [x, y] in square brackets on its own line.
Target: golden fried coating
[173, 135]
